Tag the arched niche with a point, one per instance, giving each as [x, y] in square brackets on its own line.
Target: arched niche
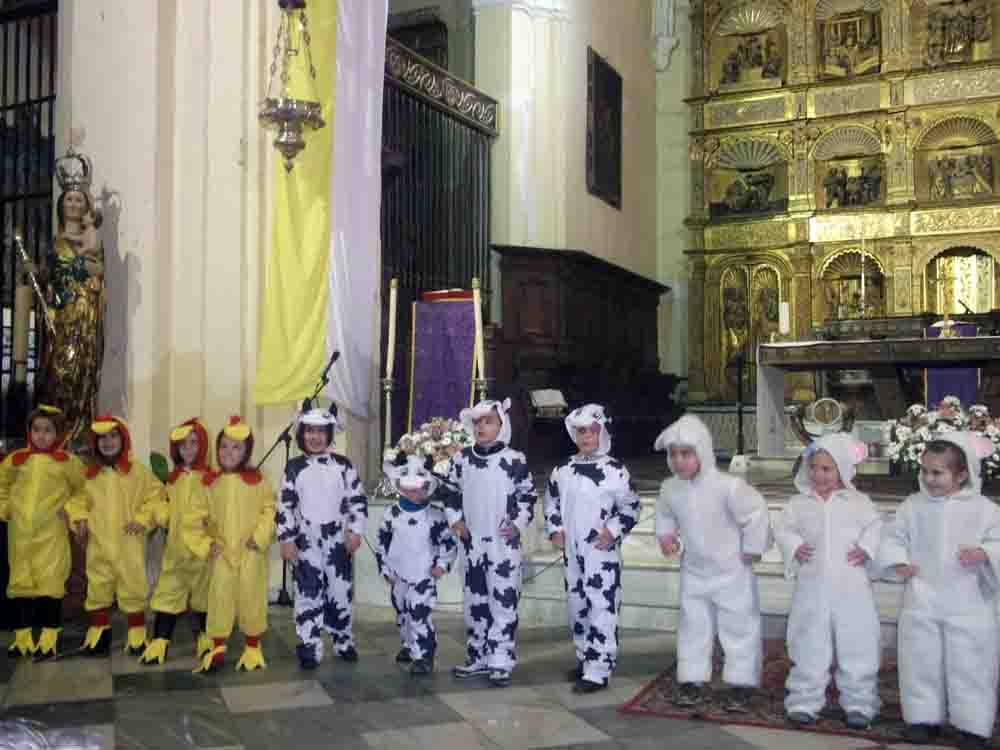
[748, 177]
[849, 38]
[952, 32]
[851, 289]
[954, 160]
[961, 279]
[748, 47]
[848, 168]
[744, 297]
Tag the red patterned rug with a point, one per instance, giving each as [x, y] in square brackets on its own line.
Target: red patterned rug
[767, 707]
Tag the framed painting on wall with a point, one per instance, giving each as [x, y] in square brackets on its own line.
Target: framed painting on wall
[604, 130]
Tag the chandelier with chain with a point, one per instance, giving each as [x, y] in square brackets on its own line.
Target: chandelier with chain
[291, 105]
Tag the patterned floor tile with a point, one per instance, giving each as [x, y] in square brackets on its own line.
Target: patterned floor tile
[68, 680]
[275, 696]
[455, 736]
[180, 719]
[522, 718]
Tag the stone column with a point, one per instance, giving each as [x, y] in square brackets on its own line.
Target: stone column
[895, 19]
[519, 56]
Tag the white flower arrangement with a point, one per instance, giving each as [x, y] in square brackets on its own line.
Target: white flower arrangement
[909, 435]
[440, 439]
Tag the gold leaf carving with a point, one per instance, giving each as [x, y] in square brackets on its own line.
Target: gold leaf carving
[746, 235]
[724, 114]
[950, 220]
[844, 99]
[963, 85]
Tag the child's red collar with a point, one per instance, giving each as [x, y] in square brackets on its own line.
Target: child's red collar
[250, 476]
[19, 457]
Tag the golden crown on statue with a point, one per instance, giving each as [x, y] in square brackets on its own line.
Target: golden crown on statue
[74, 172]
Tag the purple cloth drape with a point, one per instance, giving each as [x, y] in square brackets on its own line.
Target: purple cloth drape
[444, 335]
[952, 381]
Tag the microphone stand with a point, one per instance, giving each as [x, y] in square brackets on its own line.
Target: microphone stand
[285, 598]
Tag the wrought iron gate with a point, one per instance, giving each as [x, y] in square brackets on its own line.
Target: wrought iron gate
[27, 153]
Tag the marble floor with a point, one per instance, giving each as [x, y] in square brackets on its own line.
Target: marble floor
[87, 704]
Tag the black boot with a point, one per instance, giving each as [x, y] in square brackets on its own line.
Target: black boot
[48, 619]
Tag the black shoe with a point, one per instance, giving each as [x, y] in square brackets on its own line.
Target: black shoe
[920, 734]
[800, 718]
[689, 694]
[349, 654]
[403, 657]
[858, 721]
[307, 656]
[421, 667]
[575, 674]
[586, 687]
[737, 700]
[971, 741]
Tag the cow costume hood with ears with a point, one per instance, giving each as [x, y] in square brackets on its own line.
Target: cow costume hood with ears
[585, 416]
[468, 416]
[409, 472]
[317, 418]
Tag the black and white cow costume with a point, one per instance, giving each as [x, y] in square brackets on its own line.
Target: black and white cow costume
[585, 495]
[490, 487]
[413, 540]
[321, 500]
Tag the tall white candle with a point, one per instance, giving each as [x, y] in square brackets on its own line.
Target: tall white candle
[23, 302]
[784, 322]
[477, 303]
[862, 277]
[390, 351]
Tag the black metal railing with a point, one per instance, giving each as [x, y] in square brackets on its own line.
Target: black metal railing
[27, 155]
[436, 133]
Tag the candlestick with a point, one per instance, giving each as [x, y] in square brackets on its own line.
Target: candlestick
[862, 277]
[23, 303]
[390, 351]
[477, 303]
[784, 322]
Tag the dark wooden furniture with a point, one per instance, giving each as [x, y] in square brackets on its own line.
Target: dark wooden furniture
[576, 323]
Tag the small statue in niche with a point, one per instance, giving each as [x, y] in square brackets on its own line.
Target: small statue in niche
[755, 57]
[750, 193]
[860, 185]
[958, 32]
[960, 176]
[851, 45]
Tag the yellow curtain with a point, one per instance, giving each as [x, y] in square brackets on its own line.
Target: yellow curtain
[293, 324]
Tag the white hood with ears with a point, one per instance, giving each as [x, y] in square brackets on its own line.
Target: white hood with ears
[468, 416]
[846, 451]
[691, 432]
[975, 447]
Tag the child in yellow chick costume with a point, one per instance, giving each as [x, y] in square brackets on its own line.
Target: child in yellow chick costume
[36, 483]
[114, 512]
[238, 530]
[183, 577]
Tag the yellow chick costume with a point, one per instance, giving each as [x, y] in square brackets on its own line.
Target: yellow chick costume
[240, 510]
[113, 497]
[183, 580]
[35, 488]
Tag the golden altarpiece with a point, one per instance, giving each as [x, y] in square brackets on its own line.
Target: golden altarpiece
[844, 159]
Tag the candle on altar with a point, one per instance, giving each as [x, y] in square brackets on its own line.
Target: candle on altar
[477, 303]
[784, 321]
[390, 351]
[23, 302]
[862, 277]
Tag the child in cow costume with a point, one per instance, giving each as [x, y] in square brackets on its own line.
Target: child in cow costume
[415, 548]
[322, 513]
[489, 499]
[589, 508]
